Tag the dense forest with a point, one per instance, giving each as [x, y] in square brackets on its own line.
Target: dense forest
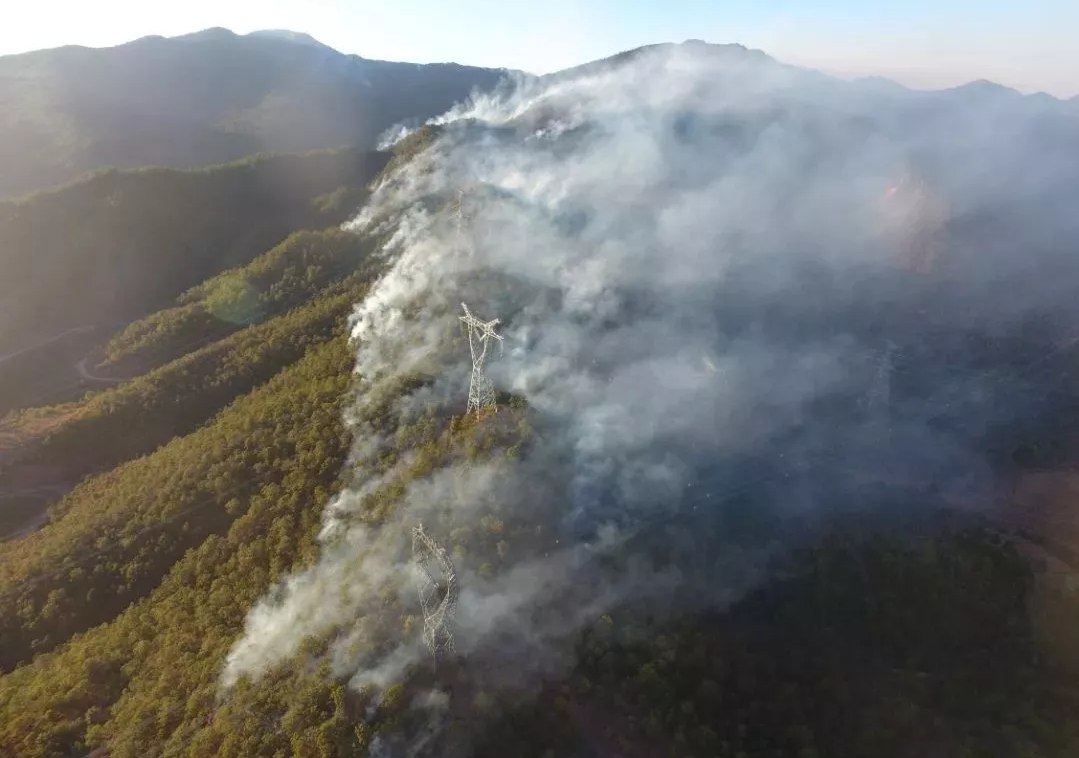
[170, 401]
[195, 473]
[231, 482]
[838, 654]
[286, 276]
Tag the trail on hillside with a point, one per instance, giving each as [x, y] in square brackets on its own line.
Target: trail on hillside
[47, 341]
[85, 373]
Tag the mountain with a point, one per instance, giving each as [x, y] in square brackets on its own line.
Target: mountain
[730, 56]
[83, 259]
[284, 34]
[204, 98]
[749, 487]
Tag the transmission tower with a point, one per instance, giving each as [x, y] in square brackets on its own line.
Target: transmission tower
[481, 393]
[438, 598]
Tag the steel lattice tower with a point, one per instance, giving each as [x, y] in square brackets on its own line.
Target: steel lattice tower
[481, 393]
[438, 598]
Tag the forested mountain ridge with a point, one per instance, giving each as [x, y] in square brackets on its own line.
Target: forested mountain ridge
[240, 333]
[120, 243]
[284, 277]
[176, 398]
[97, 518]
[892, 625]
[281, 278]
[204, 98]
[79, 262]
[51, 718]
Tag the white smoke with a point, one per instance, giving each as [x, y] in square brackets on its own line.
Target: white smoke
[392, 136]
[667, 221]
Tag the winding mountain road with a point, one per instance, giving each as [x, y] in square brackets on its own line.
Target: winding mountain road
[85, 373]
[49, 341]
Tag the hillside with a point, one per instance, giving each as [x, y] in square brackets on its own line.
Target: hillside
[779, 460]
[79, 261]
[203, 98]
[164, 406]
[286, 276]
[170, 401]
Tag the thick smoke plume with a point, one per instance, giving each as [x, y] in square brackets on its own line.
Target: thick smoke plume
[700, 258]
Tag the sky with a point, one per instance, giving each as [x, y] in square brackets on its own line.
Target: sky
[921, 43]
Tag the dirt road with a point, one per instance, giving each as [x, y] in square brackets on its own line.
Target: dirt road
[49, 341]
[85, 373]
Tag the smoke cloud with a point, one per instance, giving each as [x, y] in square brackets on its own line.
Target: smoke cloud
[701, 259]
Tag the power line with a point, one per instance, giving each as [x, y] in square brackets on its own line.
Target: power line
[722, 496]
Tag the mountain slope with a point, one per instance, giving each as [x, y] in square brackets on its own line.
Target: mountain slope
[266, 515]
[284, 277]
[195, 482]
[119, 244]
[203, 98]
[687, 532]
[176, 398]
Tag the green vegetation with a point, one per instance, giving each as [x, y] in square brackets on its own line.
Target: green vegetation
[123, 530]
[836, 659]
[288, 275]
[119, 244]
[871, 645]
[174, 399]
[244, 495]
[882, 647]
[206, 480]
[412, 145]
[21, 429]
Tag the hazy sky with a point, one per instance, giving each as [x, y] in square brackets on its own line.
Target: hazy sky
[1028, 44]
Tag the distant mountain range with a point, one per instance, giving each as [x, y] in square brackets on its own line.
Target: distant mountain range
[215, 96]
[204, 98]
